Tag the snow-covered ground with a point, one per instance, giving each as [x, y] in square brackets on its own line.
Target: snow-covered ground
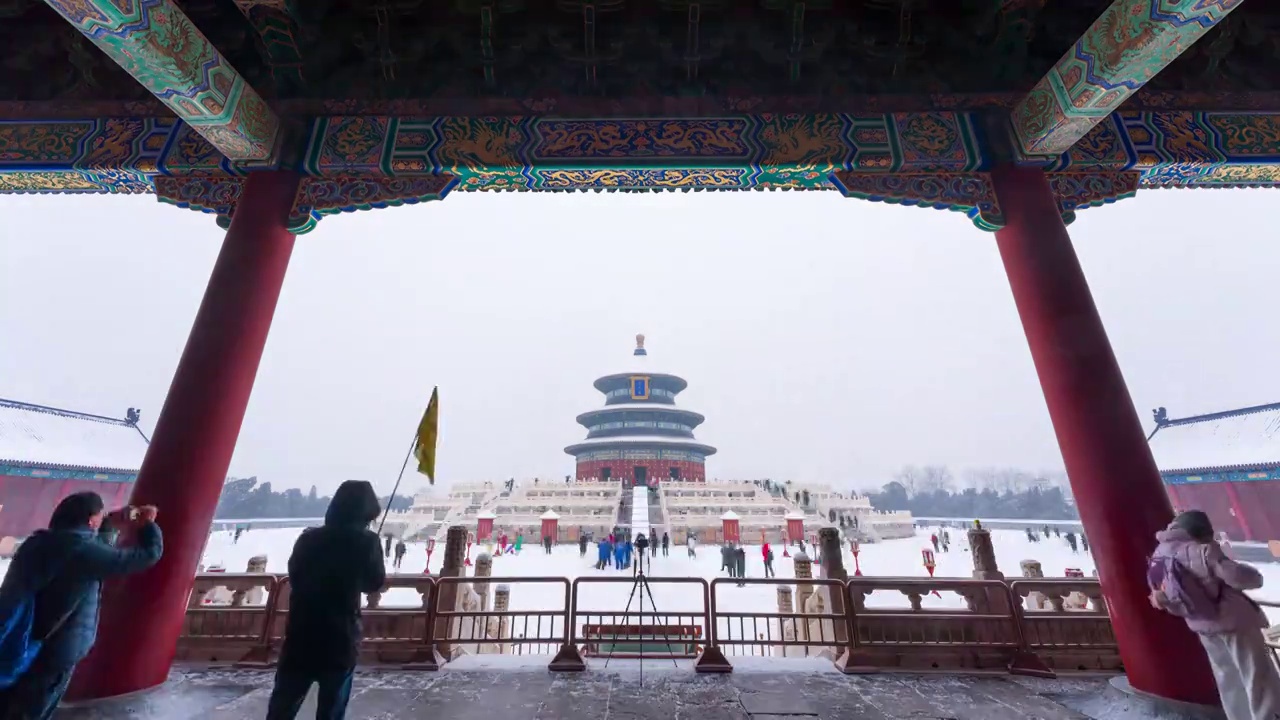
[900, 558]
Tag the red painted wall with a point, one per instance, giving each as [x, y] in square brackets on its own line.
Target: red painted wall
[1260, 501]
[27, 502]
[1211, 498]
[660, 469]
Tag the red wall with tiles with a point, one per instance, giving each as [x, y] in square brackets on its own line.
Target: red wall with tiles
[661, 469]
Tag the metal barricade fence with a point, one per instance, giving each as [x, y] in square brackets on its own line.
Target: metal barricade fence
[781, 633]
[629, 625]
[475, 630]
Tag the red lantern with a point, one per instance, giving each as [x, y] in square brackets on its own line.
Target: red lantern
[855, 548]
[431, 546]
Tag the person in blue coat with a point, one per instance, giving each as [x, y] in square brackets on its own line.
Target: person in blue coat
[65, 566]
[602, 554]
[626, 553]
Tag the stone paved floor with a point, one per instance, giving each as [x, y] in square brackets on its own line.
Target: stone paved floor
[800, 690]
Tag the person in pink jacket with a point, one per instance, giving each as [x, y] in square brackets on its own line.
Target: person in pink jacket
[1230, 627]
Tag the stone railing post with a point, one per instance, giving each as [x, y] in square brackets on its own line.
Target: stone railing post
[804, 571]
[455, 549]
[484, 569]
[833, 569]
[1032, 569]
[502, 601]
[786, 626]
[985, 568]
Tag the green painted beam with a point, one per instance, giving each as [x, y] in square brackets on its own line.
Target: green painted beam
[1124, 48]
[158, 45]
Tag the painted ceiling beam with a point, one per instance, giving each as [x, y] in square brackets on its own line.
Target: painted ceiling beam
[161, 48]
[1124, 48]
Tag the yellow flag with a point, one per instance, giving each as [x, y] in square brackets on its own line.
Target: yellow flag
[428, 430]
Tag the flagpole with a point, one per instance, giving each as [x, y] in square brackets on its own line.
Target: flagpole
[391, 499]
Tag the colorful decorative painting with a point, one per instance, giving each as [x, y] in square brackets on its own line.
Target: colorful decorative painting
[930, 159]
[1124, 48]
[162, 49]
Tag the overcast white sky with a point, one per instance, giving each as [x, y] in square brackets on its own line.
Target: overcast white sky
[825, 339]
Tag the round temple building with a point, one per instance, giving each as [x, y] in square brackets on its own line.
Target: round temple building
[640, 435]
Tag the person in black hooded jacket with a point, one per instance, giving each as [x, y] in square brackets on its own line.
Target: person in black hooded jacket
[330, 567]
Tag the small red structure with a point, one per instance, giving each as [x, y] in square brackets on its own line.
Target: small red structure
[550, 524]
[431, 546]
[786, 540]
[730, 527]
[471, 538]
[855, 547]
[484, 526]
[795, 525]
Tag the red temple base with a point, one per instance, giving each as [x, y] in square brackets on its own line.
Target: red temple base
[660, 470]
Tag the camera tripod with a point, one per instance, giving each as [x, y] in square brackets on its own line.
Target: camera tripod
[639, 589]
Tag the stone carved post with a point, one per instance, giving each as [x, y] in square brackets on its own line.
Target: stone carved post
[985, 568]
[256, 595]
[833, 597]
[804, 571]
[484, 569]
[455, 550]
[786, 626]
[1035, 599]
[502, 601]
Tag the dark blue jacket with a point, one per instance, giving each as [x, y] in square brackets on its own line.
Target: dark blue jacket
[66, 569]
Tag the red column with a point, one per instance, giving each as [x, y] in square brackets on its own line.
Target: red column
[1234, 496]
[1118, 490]
[1173, 496]
[186, 463]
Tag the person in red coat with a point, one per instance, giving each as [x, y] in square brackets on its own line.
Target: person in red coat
[768, 560]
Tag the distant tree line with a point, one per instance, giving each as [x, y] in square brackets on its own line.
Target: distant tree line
[932, 491]
[247, 498]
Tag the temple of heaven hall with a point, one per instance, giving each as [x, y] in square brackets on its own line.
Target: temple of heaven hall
[640, 435]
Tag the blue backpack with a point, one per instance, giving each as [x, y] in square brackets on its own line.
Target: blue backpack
[18, 649]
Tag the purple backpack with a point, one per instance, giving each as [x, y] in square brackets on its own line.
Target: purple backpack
[1181, 593]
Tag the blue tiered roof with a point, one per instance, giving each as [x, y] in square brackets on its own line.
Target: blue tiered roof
[640, 413]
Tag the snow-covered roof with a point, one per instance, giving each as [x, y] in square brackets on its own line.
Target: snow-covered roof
[1232, 439]
[616, 409]
[731, 515]
[49, 437]
[550, 515]
[640, 440]
[486, 515]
